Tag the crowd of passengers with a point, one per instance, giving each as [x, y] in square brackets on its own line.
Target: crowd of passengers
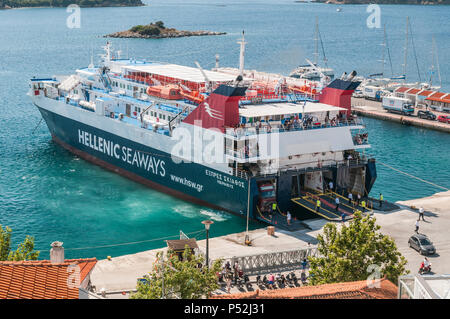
[294, 123]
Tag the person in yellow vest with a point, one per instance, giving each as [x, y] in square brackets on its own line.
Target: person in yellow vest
[363, 205]
[317, 205]
[274, 210]
[381, 200]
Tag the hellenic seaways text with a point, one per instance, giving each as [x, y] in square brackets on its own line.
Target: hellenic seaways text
[136, 158]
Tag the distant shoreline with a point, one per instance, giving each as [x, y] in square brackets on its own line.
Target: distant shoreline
[382, 2]
[94, 5]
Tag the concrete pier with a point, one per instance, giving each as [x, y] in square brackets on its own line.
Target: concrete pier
[121, 273]
[374, 109]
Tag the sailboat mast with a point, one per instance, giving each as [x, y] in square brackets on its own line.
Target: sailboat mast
[383, 60]
[406, 49]
[435, 53]
[316, 40]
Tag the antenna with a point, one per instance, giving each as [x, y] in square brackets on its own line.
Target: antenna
[217, 61]
[242, 54]
[91, 65]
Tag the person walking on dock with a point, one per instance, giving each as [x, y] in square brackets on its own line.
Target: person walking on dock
[363, 205]
[358, 199]
[330, 186]
[343, 218]
[381, 200]
[288, 218]
[337, 203]
[417, 226]
[421, 213]
[317, 205]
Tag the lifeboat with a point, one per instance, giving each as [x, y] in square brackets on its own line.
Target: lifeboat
[168, 92]
[193, 96]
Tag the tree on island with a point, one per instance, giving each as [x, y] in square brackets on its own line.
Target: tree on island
[25, 250]
[186, 279]
[354, 253]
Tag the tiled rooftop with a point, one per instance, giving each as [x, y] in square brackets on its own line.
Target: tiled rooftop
[40, 279]
[345, 290]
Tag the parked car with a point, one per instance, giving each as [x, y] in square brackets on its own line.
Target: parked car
[422, 244]
[444, 118]
[427, 115]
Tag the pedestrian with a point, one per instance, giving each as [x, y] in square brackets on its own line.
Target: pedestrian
[304, 263]
[350, 198]
[317, 205]
[271, 281]
[236, 272]
[228, 277]
[421, 213]
[337, 203]
[381, 200]
[343, 217]
[417, 226]
[330, 185]
[288, 218]
[363, 205]
[274, 208]
[358, 199]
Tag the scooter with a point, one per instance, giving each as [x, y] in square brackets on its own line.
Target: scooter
[423, 269]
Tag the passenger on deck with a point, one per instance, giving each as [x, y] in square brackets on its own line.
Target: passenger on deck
[288, 218]
[337, 203]
[330, 186]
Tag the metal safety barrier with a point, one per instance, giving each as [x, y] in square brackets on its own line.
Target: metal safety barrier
[277, 261]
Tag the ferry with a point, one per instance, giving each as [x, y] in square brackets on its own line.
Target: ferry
[211, 137]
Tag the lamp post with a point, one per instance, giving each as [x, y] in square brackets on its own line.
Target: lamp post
[207, 223]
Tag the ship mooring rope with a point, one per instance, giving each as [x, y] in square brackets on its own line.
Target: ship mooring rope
[412, 176]
[132, 243]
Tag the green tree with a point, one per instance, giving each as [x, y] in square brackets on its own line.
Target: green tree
[346, 254]
[25, 250]
[160, 24]
[183, 279]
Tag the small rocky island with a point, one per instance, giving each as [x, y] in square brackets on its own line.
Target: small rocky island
[157, 30]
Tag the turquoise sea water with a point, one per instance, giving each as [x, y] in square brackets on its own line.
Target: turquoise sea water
[49, 193]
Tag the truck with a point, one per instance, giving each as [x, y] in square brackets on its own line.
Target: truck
[266, 196]
[372, 93]
[398, 105]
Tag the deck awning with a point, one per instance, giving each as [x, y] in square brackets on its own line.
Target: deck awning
[272, 109]
[181, 72]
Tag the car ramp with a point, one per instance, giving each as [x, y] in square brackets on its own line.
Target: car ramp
[308, 203]
[344, 205]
